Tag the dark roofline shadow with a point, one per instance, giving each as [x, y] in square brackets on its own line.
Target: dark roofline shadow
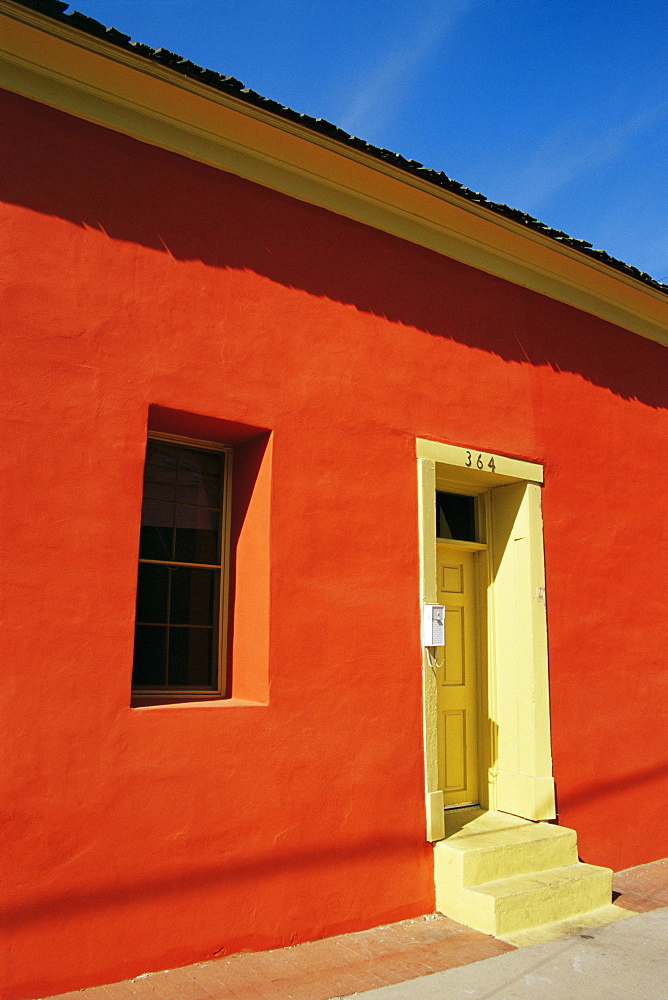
[131, 191]
[60, 11]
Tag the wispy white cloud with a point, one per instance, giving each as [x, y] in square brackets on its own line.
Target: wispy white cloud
[573, 151]
[377, 94]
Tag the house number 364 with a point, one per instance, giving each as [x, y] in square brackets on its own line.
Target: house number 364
[479, 462]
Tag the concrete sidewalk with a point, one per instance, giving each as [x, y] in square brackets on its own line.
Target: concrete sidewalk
[406, 955]
[623, 961]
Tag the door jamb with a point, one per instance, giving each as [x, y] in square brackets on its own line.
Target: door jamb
[519, 772]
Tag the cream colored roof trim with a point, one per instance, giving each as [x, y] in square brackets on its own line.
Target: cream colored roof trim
[57, 65]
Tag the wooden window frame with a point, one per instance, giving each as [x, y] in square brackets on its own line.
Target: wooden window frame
[176, 693]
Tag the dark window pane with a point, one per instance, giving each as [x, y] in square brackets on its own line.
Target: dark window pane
[150, 656]
[177, 606]
[455, 517]
[156, 535]
[196, 535]
[194, 597]
[160, 471]
[200, 478]
[191, 657]
[152, 593]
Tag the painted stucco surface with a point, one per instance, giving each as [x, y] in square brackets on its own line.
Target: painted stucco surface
[143, 838]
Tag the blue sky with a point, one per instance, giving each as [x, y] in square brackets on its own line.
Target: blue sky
[555, 107]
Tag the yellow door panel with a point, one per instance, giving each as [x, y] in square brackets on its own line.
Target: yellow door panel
[452, 579]
[454, 665]
[457, 677]
[454, 762]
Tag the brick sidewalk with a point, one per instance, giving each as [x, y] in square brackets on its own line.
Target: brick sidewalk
[351, 963]
[643, 888]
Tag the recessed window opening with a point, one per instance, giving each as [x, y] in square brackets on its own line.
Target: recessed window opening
[181, 560]
[455, 516]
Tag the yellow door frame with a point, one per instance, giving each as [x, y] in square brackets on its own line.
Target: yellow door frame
[516, 745]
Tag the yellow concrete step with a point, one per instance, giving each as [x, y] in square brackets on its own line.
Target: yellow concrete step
[494, 845]
[520, 902]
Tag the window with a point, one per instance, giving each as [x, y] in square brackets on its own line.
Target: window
[183, 547]
[455, 516]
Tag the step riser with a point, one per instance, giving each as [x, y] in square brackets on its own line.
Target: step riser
[548, 906]
[516, 911]
[471, 913]
[467, 868]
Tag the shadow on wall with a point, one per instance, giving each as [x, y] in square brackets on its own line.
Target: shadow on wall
[234, 872]
[596, 790]
[134, 192]
[230, 872]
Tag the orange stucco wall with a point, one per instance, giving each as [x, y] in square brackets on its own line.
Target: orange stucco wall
[141, 838]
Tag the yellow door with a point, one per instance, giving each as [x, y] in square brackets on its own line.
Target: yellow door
[457, 677]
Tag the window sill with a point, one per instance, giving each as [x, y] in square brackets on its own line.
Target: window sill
[181, 701]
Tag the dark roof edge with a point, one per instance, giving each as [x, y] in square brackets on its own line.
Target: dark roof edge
[229, 85]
